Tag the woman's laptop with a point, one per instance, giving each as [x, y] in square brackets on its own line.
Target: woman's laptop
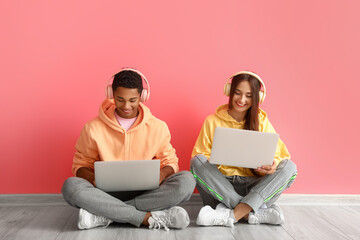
[132, 175]
[243, 148]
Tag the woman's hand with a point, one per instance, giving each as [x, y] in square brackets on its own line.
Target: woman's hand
[266, 169]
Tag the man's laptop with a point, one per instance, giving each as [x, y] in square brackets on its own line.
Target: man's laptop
[243, 148]
[132, 175]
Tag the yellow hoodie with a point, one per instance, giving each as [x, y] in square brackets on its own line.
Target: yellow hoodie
[221, 118]
[103, 139]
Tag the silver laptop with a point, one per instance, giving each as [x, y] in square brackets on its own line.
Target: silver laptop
[132, 175]
[243, 148]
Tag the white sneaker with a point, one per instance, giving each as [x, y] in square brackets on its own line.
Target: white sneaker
[88, 220]
[271, 215]
[174, 217]
[210, 217]
[221, 206]
[263, 206]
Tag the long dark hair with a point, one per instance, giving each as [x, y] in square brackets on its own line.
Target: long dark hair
[252, 114]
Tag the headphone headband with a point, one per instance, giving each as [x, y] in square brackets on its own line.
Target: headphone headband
[145, 94]
[262, 93]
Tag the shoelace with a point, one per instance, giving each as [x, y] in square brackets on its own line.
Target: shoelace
[101, 219]
[220, 220]
[223, 218]
[261, 216]
[162, 222]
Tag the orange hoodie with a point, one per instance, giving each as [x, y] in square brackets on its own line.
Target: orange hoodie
[103, 139]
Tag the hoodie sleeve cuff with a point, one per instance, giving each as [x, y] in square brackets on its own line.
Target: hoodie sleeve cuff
[174, 166]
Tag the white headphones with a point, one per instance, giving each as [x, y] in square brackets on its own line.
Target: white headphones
[262, 92]
[145, 94]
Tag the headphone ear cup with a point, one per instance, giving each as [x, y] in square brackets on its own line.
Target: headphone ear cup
[261, 96]
[109, 92]
[144, 95]
[227, 88]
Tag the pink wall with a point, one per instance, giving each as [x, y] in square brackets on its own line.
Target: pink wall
[56, 57]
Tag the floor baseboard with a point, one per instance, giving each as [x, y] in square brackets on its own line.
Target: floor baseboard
[7, 200]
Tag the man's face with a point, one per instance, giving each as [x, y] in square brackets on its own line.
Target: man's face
[127, 102]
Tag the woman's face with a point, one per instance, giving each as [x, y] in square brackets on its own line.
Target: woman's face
[242, 99]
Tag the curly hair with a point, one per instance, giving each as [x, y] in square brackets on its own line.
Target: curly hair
[127, 79]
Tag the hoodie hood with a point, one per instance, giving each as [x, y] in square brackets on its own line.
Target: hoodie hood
[222, 113]
[107, 115]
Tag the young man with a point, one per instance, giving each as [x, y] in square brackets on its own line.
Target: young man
[124, 130]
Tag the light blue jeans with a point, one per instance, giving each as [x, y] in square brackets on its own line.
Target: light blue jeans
[214, 187]
[128, 207]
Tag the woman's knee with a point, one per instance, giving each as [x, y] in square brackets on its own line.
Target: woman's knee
[288, 166]
[289, 171]
[291, 167]
[197, 161]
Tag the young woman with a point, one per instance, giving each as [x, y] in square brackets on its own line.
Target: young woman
[233, 193]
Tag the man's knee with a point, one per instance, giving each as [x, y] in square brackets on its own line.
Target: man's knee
[72, 185]
[184, 187]
[187, 183]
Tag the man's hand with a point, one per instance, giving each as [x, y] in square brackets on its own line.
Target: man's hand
[165, 172]
[266, 169]
[87, 174]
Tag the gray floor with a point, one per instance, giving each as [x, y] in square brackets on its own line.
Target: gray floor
[306, 216]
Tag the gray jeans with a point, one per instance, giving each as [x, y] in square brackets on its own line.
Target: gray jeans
[128, 207]
[214, 187]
